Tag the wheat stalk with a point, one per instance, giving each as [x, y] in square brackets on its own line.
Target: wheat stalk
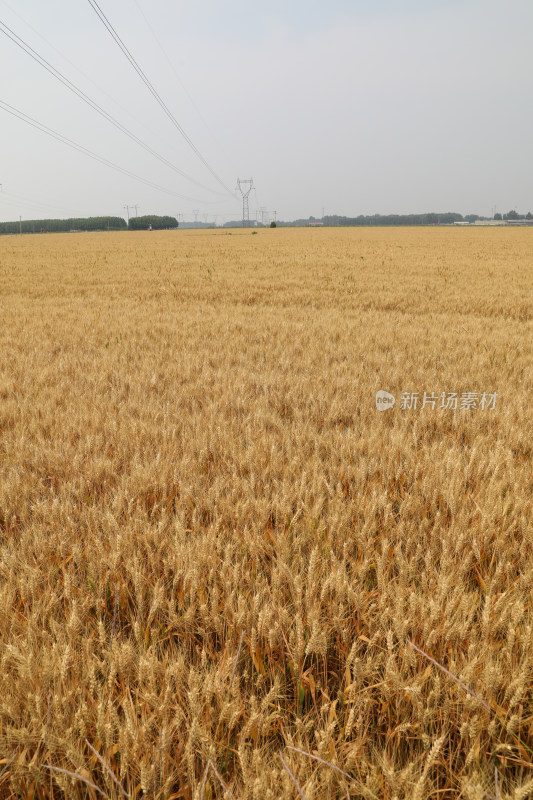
[332, 766]
[76, 777]
[291, 776]
[106, 767]
[452, 676]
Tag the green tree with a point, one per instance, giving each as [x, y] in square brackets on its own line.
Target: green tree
[152, 221]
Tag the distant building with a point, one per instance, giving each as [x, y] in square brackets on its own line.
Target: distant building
[492, 222]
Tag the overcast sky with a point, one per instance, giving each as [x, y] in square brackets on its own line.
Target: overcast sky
[347, 107]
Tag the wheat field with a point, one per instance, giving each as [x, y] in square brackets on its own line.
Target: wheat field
[224, 572]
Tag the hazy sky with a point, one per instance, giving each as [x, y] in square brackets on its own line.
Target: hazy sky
[345, 106]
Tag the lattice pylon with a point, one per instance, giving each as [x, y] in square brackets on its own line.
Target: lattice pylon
[245, 187]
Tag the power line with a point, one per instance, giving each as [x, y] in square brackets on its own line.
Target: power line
[111, 30]
[81, 149]
[20, 201]
[92, 103]
[73, 65]
[174, 70]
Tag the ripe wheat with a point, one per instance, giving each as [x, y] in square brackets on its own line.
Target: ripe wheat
[215, 550]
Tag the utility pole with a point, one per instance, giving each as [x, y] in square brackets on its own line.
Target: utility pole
[275, 216]
[262, 211]
[127, 210]
[136, 212]
[245, 187]
[196, 211]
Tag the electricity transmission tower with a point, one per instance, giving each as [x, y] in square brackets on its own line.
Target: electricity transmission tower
[245, 187]
[127, 210]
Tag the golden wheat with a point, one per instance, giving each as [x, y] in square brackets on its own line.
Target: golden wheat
[214, 550]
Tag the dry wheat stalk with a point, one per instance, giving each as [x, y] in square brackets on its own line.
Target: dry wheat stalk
[76, 777]
[332, 766]
[451, 675]
[291, 776]
[106, 767]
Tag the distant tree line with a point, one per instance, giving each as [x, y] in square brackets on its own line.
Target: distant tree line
[447, 218]
[151, 220]
[64, 225]
[88, 224]
[514, 215]
[155, 222]
[204, 225]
